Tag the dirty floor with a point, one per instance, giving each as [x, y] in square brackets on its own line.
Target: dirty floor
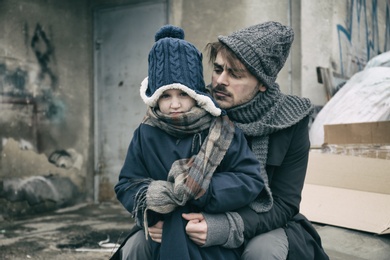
[86, 231]
[91, 231]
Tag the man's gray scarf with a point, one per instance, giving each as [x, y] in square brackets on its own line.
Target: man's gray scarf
[188, 178]
[268, 112]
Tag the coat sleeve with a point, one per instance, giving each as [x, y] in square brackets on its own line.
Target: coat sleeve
[287, 175]
[131, 175]
[236, 182]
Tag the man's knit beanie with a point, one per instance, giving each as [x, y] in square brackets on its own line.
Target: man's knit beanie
[262, 48]
[176, 64]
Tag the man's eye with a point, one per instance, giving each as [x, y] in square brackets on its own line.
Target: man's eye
[218, 70]
[236, 76]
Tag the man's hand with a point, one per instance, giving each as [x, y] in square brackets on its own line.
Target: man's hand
[155, 232]
[196, 228]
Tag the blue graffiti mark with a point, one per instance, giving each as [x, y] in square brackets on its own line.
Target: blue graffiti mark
[55, 108]
[13, 82]
[357, 13]
[341, 29]
[387, 33]
[373, 43]
[55, 111]
[18, 79]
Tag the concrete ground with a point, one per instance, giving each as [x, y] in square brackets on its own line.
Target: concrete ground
[90, 231]
[69, 233]
[346, 244]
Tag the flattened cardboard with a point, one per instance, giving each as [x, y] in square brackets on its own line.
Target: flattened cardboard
[348, 191]
[358, 133]
[359, 210]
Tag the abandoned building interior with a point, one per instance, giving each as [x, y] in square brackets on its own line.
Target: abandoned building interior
[70, 73]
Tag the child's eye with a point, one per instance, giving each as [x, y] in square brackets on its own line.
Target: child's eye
[183, 94]
[164, 96]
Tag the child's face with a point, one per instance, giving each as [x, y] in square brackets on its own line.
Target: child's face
[175, 102]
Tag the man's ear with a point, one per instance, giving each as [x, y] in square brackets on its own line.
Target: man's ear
[262, 88]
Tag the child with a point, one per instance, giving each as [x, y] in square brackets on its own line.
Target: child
[185, 156]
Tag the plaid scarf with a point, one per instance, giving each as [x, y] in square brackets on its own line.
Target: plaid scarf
[188, 178]
[194, 121]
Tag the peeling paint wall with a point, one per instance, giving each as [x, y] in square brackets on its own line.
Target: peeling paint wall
[45, 68]
[45, 86]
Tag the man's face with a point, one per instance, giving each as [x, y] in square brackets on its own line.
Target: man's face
[232, 86]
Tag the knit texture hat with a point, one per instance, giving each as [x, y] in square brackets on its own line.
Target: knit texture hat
[262, 48]
[176, 64]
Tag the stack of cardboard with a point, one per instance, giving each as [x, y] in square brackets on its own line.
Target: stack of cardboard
[348, 180]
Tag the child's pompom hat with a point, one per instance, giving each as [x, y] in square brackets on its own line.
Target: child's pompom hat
[176, 64]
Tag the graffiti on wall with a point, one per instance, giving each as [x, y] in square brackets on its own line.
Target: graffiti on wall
[362, 37]
[28, 90]
[13, 82]
[44, 51]
[33, 84]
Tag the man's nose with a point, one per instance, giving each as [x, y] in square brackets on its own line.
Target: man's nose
[223, 79]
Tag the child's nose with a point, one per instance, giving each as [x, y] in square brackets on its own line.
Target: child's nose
[175, 103]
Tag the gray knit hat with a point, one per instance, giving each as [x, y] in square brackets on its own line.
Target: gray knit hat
[262, 48]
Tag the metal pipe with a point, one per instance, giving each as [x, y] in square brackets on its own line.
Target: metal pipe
[289, 17]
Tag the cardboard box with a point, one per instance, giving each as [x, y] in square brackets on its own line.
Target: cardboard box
[348, 180]
[348, 191]
[358, 133]
[362, 150]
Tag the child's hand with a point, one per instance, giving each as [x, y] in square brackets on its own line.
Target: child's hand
[196, 228]
[155, 232]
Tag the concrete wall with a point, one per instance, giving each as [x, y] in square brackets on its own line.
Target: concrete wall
[45, 50]
[45, 85]
[46, 65]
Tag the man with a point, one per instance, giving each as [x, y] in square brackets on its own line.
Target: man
[246, 64]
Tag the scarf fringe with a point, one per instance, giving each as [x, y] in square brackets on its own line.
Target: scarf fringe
[140, 197]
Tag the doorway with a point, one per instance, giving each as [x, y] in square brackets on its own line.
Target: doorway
[123, 37]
